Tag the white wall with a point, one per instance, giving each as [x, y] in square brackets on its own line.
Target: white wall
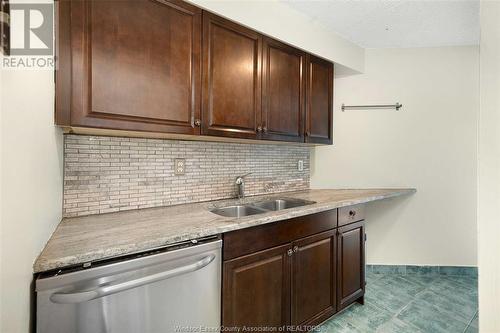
[31, 186]
[31, 189]
[277, 19]
[489, 170]
[430, 144]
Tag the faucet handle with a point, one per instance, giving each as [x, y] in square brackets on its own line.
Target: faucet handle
[247, 174]
[239, 179]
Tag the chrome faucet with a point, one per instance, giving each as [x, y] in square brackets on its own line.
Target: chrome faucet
[240, 185]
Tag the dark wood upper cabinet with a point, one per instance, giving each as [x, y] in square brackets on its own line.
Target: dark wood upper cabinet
[256, 289]
[351, 264]
[283, 91]
[231, 79]
[168, 67]
[314, 279]
[135, 64]
[319, 109]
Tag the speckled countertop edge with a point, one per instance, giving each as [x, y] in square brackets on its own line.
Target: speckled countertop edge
[89, 238]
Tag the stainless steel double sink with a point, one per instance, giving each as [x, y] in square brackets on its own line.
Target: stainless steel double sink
[260, 207]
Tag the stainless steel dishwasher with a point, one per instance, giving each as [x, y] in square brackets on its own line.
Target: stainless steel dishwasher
[171, 290]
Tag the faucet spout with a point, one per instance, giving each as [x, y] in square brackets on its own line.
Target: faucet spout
[240, 185]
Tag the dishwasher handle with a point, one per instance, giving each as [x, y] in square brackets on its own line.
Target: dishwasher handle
[88, 295]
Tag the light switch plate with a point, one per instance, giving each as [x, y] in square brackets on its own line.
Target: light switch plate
[300, 165]
[179, 166]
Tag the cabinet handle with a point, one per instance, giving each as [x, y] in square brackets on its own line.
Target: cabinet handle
[308, 133]
[264, 129]
[295, 249]
[352, 213]
[197, 122]
[259, 128]
[289, 252]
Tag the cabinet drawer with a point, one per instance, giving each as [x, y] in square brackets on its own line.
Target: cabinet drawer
[351, 214]
[250, 240]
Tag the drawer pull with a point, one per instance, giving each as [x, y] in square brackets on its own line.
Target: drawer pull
[289, 252]
[352, 213]
[295, 248]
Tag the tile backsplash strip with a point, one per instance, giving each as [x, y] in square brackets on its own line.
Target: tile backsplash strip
[110, 174]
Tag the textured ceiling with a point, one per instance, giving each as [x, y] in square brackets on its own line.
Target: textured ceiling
[403, 23]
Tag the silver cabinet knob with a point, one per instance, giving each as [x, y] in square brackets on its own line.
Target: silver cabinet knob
[264, 129]
[289, 252]
[259, 128]
[295, 248]
[197, 122]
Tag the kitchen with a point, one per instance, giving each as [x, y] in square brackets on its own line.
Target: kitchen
[226, 164]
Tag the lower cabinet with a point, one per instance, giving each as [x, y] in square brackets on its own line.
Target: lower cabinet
[351, 264]
[313, 279]
[256, 289]
[295, 285]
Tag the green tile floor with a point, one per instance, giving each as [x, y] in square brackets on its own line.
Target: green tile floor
[413, 303]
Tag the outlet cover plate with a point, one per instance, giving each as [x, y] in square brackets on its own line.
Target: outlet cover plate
[179, 166]
[300, 165]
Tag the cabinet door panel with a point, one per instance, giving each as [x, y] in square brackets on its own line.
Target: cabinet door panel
[313, 279]
[351, 263]
[231, 78]
[256, 289]
[283, 92]
[136, 65]
[319, 111]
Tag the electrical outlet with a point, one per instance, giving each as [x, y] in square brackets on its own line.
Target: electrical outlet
[179, 166]
[300, 165]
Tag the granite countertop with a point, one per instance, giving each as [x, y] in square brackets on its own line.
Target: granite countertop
[79, 240]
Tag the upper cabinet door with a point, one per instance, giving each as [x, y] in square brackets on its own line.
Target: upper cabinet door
[136, 65]
[283, 90]
[231, 79]
[319, 110]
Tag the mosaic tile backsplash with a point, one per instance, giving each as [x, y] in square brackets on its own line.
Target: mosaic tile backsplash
[110, 174]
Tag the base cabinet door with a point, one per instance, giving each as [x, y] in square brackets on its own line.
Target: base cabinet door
[256, 289]
[350, 264]
[313, 279]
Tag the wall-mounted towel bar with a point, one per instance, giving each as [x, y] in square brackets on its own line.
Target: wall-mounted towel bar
[396, 106]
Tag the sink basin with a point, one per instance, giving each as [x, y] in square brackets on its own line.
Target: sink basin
[279, 204]
[260, 207]
[237, 211]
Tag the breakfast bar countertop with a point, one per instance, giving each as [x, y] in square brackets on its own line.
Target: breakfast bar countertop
[79, 240]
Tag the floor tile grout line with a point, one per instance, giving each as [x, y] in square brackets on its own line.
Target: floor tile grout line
[397, 312]
[407, 323]
[470, 321]
[465, 322]
[443, 294]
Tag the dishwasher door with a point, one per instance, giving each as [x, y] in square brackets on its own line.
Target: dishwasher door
[166, 292]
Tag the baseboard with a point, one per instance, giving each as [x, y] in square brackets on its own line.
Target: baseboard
[423, 270]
